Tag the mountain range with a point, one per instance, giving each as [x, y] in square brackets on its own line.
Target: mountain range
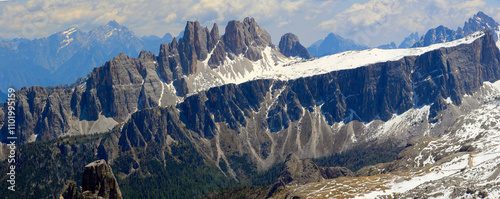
[333, 44]
[67, 55]
[442, 34]
[211, 112]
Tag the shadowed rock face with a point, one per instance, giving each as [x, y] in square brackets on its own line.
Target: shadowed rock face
[291, 47]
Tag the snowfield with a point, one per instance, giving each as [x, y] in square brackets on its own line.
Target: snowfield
[294, 69]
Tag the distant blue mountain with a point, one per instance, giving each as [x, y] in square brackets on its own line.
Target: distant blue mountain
[409, 41]
[181, 34]
[151, 43]
[392, 45]
[333, 44]
[479, 21]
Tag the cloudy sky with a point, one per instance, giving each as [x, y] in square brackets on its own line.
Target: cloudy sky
[371, 22]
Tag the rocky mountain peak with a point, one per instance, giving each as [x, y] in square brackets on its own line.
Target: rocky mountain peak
[246, 38]
[480, 17]
[290, 46]
[215, 31]
[112, 31]
[481, 21]
[113, 24]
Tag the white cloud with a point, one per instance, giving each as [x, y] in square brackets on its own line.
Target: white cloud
[170, 17]
[283, 23]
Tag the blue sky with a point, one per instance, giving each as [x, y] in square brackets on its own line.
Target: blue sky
[371, 22]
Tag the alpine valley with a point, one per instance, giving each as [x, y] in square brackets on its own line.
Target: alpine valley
[235, 116]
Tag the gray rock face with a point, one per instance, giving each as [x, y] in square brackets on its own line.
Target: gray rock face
[261, 120]
[246, 38]
[98, 181]
[290, 46]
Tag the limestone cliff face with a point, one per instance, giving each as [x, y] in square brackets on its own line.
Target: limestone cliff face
[324, 114]
[262, 120]
[110, 94]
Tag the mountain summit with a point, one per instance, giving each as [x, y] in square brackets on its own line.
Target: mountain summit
[290, 46]
[333, 44]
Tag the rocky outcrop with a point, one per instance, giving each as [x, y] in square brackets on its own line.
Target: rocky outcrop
[297, 172]
[71, 191]
[98, 181]
[335, 172]
[290, 46]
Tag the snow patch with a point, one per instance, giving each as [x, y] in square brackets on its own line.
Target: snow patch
[68, 40]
